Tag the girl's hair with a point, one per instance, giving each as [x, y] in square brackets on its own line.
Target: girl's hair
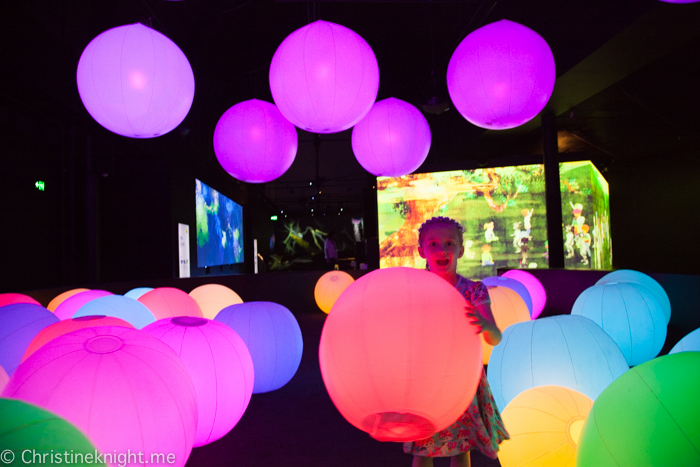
[441, 220]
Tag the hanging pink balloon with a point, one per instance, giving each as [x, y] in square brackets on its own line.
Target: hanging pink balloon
[135, 82]
[254, 142]
[392, 140]
[501, 75]
[324, 77]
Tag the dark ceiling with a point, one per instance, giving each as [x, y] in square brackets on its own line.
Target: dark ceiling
[627, 75]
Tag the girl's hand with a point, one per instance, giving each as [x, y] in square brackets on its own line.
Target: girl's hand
[484, 325]
[476, 318]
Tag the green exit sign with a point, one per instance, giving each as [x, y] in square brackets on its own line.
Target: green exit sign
[273, 218]
[39, 185]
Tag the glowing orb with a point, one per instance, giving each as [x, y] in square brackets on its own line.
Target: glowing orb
[544, 424]
[507, 308]
[220, 367]
[123, 388]
[168, 302]
[19, 323]
[273, 338]
[324, 77]
[58, 299]
[690, 343]
[4, 378]
[254, 143]
[518, 287]
[392, 140]
[130, 310]
[533, 285]
[636, 277]
[648, 416]
[329, 287]
[135, 82]
[70, 305]
[501, 75]
[212, 298]
[565, 350]
[137, 292]
[378, 351]
[12, 298]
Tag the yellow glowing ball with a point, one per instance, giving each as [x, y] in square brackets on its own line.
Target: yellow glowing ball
[212, 298]
[508, 307]
[544, 424]
[329, 287]
[58, 299]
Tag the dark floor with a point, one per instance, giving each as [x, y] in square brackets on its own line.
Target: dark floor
[298, 425]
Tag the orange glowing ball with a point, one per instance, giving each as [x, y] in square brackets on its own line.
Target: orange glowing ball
[508, 308]
[58, 299]
[169, 302]
[545, 425]
[212, 298]
[329, 287]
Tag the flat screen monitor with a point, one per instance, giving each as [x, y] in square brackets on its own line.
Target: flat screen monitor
[219, 228]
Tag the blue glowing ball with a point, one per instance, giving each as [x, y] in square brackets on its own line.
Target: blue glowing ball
[19, 323]
[137, 292]
[628, 275]
[690, 343]
[129, 309]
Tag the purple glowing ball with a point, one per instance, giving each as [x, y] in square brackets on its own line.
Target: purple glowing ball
[19, 323]
[254, 142]
[135, 82]
[392, 140]
[220, 367]
[501, 75]
[324, 77]
[123, 388]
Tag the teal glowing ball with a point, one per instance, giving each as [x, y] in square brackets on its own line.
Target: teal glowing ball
[690, 343]
[650, 416]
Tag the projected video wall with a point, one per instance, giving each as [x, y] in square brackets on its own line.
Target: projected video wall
[219, 228]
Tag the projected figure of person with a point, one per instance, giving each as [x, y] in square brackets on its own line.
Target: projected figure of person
[527, 220]
[488, 234]
[440, 241]
[486, 258]
[569, 241]
[584, 244]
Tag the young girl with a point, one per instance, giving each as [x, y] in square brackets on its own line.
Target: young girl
[481, 427]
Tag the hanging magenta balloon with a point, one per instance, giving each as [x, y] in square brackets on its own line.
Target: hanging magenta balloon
[254, 142]
[501, 75]
[324, 77]
[392, 140]
[135, 82]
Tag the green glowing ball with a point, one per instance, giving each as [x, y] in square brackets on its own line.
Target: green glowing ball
[648, 416]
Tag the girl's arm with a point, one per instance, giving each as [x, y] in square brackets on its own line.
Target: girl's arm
[482, 317]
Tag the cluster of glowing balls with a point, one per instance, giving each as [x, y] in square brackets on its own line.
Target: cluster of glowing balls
[118, 306]
[518, 287]
[507, 308]
[544, 424]
[324, 77]
[135, 293]
[68, 307]
[689, 343]
[19, 323]
[329, 287]
[123, 388]
[212, 298]
[565, 350]
[273, 338]
[58, 299]
[392, 140]
[12, 298]
[378, 351]
[537, 293]
[34, 435]
[168, 302]
[630, 314]
[220, 367]
[254, 143]
[648, 416]
[501, 75]
[135, 82]
[636, 277]
[69, 325]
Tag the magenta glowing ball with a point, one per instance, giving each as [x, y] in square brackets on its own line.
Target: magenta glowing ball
[254, 143]
[12, 298]
[4, 378]
[537, 293]
[135, 82]
[118, 306]
[392, 140]
[19, 323]
[70, 305]
[378, 350]
[273, 337]
[123, 388]
[168, 302]
[324, 77]
[501, 75]
[220, 367]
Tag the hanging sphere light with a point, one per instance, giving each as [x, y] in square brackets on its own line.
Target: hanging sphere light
[324, 77]
[501, 75]
[135, 82]
[254, 142]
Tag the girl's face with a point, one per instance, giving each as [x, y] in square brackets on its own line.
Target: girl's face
[441, 246]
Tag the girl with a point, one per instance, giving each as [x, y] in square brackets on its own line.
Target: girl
[481, 427]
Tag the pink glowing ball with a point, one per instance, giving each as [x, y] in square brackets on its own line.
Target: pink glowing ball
[55, 330]
[19, 323]
[118, 306]
[220, 367]
[254, 142]
[537, 293]
[378, 352]
[135, 82]
[4, 378]
[124, 389]
[501, 75]
[12, 298]
[60, 298]
[70, 305]
[392, 140]
[324, 77]
[168, 302]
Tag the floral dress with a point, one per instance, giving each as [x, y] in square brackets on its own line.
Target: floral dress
[480, 426]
